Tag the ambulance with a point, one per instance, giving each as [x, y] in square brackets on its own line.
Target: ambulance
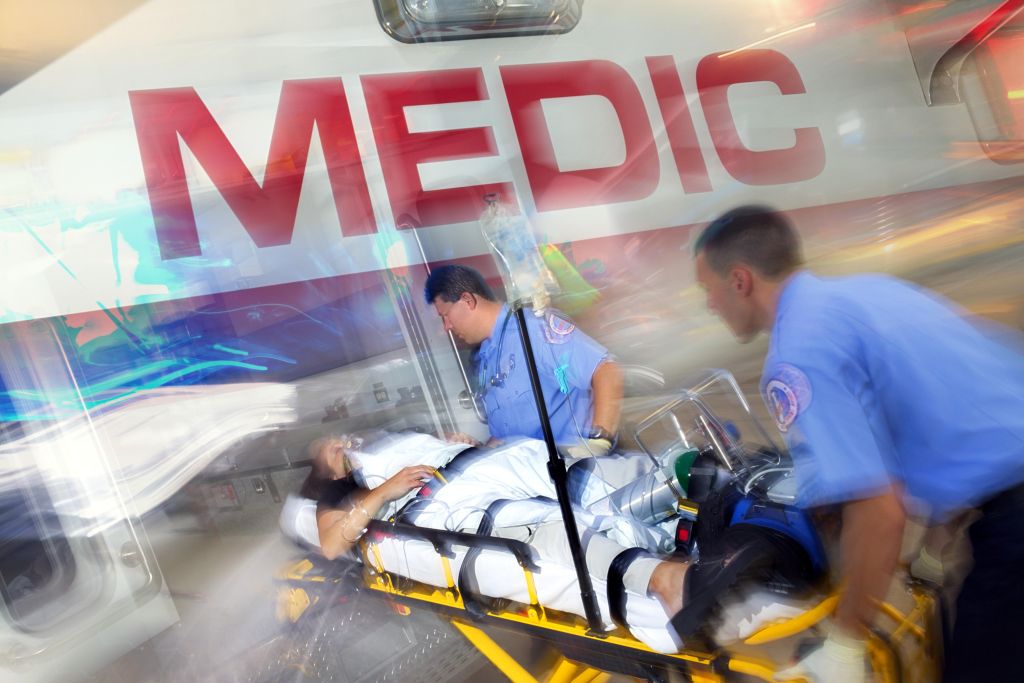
[217, 219]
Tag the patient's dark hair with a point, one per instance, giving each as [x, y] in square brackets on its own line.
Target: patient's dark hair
[452, 281]
[757, 236]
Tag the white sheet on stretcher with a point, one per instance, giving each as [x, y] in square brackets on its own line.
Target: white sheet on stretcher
[499, 575]
[517, 471]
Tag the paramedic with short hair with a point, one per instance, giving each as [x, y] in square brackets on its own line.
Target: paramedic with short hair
[582, 384]
[889, 402]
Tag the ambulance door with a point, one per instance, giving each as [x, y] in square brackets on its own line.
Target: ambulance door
[79, 586]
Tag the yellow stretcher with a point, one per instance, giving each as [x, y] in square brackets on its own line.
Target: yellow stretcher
[904, 646]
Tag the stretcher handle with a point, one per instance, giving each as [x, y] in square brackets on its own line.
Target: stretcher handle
[443, 540]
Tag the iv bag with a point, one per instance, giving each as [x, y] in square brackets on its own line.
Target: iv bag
[519, 261]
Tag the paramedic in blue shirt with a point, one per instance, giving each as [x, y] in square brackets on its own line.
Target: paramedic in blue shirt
[890, 402]
[582, 385]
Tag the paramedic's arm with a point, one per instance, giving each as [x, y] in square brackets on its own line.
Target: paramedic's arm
[589, 364]
[824, 406]
[606, 384]
[869, 548]
[341, 527]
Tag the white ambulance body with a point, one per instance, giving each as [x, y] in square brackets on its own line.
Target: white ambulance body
[214, 206]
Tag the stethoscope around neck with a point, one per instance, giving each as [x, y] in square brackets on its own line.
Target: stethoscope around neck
[498, 377]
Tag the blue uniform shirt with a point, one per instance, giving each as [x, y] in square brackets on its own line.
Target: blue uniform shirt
[874, 381]
[566, 361]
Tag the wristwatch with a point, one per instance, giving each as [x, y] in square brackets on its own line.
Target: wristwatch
[599, 432]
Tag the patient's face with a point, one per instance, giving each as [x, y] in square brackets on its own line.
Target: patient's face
[334, 458]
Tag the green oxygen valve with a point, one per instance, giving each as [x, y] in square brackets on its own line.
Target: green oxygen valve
[681, 468]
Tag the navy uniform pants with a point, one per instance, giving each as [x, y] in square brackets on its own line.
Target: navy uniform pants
[988, 634]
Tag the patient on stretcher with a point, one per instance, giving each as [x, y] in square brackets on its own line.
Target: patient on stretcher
[507, 492]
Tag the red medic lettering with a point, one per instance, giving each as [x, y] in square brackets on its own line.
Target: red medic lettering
[266, 212]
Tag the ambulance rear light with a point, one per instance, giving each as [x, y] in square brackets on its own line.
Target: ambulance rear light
[972, 54]
[418, 21]
[993, 89]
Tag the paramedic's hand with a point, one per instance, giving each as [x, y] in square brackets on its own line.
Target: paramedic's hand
[589, 447]
[405, 480]
[839, 660]
[461, 437]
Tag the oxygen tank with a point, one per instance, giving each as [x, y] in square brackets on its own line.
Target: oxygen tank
[512, 243]
[652, 497]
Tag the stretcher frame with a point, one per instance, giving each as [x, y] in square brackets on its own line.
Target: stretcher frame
[586, 655]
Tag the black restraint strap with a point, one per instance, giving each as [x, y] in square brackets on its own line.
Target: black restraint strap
[616, 585]
[705, 582]
[577, 476]
[468, 588]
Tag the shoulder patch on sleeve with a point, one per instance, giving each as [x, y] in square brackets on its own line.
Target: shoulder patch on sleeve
[788, 393]
[557, 328]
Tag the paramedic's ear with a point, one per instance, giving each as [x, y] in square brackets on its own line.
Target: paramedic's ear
[469, 299]
[741, 281]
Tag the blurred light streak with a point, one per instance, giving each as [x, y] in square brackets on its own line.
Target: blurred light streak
[226, 349]
[74, 401]
[154, 444]
[274, 356]
[776, 36]
[924, 6]
[254, 309]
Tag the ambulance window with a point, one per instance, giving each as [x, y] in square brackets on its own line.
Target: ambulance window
[992, 86]
[36, 563]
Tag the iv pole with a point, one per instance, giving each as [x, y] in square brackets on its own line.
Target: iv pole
[505, 244]
[559, 476]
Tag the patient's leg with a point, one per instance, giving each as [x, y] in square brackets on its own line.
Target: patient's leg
[747, 556]
[645, 575]
[666, 584]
